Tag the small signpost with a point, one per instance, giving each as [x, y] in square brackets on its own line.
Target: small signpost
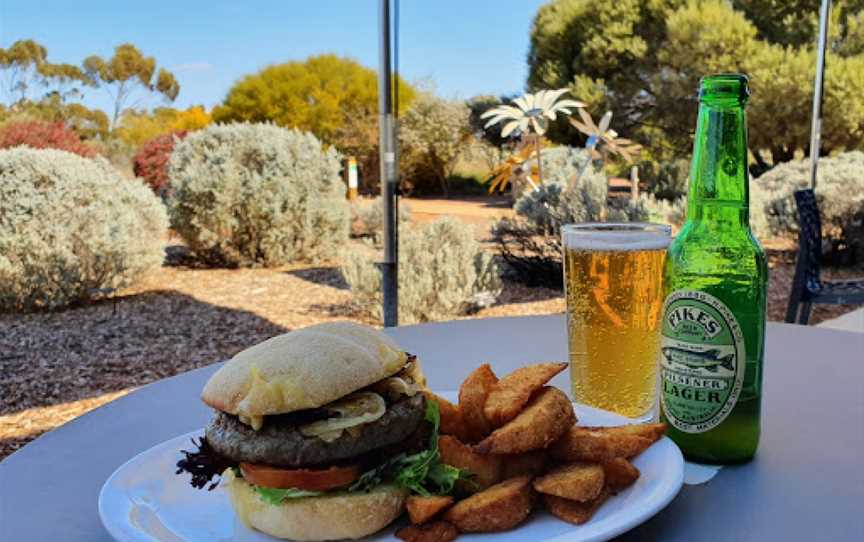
[352, 178]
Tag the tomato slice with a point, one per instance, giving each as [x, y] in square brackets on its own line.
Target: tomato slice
[306, 479]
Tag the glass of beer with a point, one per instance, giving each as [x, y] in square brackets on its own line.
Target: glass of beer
[613, 279]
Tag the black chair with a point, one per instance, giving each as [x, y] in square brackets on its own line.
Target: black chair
[807, 287]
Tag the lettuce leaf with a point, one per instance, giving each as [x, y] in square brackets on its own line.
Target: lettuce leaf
[421, 473]
[275, 496]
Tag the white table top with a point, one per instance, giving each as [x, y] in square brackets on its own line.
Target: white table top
[806, 482]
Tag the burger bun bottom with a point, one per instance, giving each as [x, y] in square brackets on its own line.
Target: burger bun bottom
[328, 517]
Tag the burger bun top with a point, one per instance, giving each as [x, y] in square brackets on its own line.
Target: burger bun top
[306, 368]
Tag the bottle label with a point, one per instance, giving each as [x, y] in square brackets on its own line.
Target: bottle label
[702, 361]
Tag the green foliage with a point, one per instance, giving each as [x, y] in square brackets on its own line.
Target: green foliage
[433, 134]
[137, 127]
[491, 135]
[796, 22]
[89, 124]
[70, 226]
[126, 72]
[25, 68]
[642, 59]
[466, 184]
[667, 179]
[422, 472]
[443, 272]
[358, 137]
[334, 98]
[840, 196]
[20, 64]
[318, 95]
[257, 194]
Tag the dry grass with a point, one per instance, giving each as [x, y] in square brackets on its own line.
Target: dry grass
[57, 366]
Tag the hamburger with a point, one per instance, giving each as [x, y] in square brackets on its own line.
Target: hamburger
[320, 434]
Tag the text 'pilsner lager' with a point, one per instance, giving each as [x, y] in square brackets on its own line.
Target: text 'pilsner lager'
[713, 328]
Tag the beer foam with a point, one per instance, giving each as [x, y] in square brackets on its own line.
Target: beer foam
[612, 239]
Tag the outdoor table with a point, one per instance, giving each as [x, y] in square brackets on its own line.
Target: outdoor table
[806, 482]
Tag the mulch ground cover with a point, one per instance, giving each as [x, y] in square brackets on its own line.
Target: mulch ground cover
[58, 365]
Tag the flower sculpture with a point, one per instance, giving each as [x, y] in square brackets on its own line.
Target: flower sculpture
[529, 116]
[605, 138]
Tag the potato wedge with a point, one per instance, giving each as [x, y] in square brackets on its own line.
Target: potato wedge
[437, 531]
[651, 431]
[472, 397]
[422, 509]
[498, 508]
[524, 464]
[620, 474]
[485, 468]
[548, 416]
[512, 392]
[573, 512]
[583, 444]
[581, 482]
[451, 417]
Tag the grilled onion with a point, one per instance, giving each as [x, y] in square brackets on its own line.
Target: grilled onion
[355, 409]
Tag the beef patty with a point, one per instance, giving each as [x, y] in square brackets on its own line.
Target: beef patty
[280, 443]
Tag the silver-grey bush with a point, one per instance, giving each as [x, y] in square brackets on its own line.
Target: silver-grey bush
[443, 272]
[71, 225]
[839, 192]
[257, 194]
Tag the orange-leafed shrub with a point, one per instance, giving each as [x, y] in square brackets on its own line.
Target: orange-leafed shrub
[151, 161]
[39, 134]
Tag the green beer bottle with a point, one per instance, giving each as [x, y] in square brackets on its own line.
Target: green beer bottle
[715, 281]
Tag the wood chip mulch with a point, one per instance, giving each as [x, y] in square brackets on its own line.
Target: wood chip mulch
[56, 366]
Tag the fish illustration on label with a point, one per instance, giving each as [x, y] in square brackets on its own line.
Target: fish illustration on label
[709, 360]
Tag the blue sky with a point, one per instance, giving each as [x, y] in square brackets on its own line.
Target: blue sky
[466, 47]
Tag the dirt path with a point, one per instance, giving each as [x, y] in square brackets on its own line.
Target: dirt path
[479, 211]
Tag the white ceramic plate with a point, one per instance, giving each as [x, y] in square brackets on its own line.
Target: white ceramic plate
[144, 501]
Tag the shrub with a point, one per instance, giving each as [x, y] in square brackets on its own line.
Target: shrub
[367, 219]
[433, 134]
[443, 272]
[70, 226]
[39, 134]
[151, 161]
[663, 211]
[560, 201]
[665, 180]
[250, 194]
[319, 95]
[839, 193]
[530, 244]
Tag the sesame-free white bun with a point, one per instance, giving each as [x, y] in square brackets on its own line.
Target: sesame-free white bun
[328, 517]
[306, 368]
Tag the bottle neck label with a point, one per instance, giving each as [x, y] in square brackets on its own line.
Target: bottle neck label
[702, 361]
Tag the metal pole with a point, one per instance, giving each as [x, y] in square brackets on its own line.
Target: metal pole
[816, 121]
[389, 174]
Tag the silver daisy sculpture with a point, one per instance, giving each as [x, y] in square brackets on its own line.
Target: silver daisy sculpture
[603, 141]
[529, 115]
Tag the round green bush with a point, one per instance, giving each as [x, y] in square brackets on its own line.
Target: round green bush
[257, 194]
[71, 226]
